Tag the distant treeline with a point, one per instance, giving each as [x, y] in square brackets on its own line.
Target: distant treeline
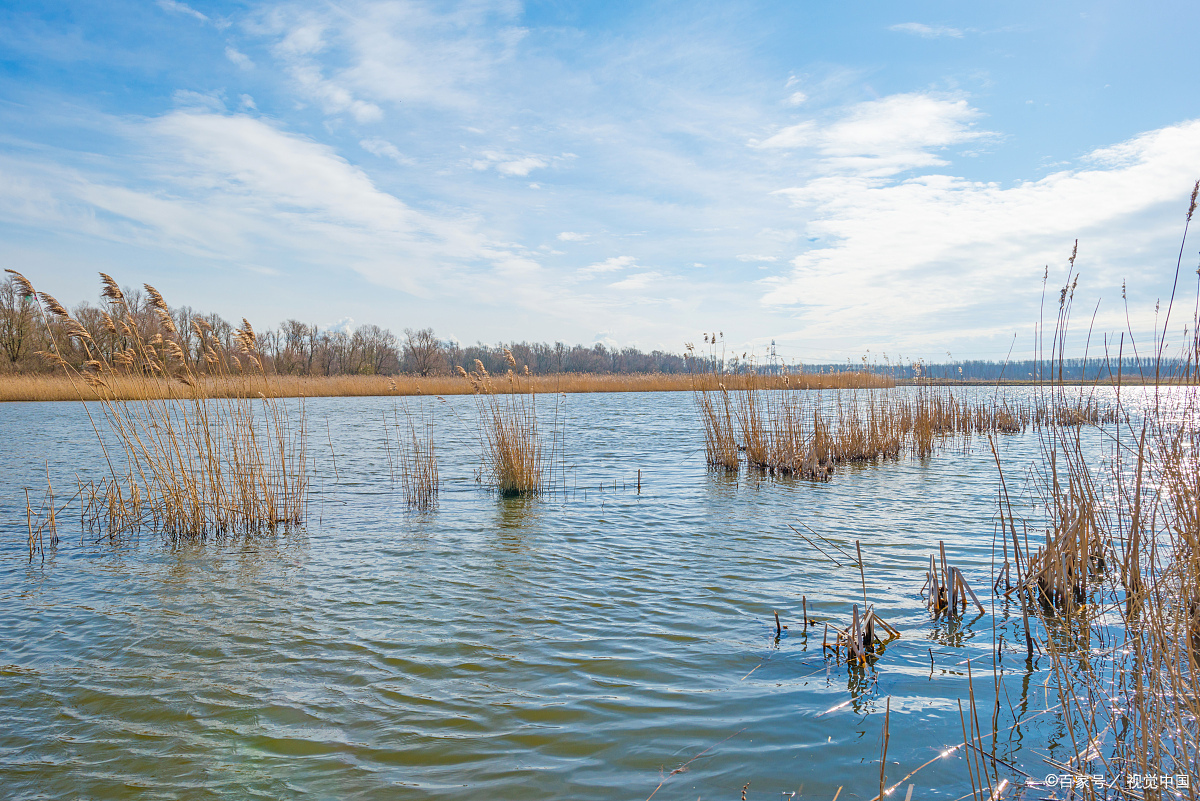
[297, 348]
[302, 349]
[1130, 367]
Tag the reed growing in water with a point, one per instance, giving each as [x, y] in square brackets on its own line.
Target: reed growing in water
[418, 462]
[1120, 562]
[720, 440]
[794, 434]
[180, 461]
[515, 459]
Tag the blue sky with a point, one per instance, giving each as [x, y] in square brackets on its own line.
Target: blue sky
[840, 178]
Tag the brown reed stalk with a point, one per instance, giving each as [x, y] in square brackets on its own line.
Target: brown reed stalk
[418, 463]
[1121, 557]
[186, 463]
[720, 442]
[514, 455]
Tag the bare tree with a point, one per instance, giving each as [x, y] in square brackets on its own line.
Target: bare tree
[378, 349]
[16, 320]
[422, 352]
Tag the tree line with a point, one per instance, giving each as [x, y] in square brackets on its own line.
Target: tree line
[295, 347]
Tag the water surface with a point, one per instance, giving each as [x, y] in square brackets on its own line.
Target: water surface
[582, 645]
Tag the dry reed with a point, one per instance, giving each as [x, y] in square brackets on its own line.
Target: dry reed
[860, 640]
[418, 461]
[180, 461]
[1120, 562]
[720, 441]
[60, 388]
[794, 434]
[515, 459]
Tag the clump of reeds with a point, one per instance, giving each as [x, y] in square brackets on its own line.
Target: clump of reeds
[948, 588]
[1121, 561]
[784, 434]
[514, 456]
[418, 463]
[185, 464]
[43, 521]
[720, 439]
[861, 638]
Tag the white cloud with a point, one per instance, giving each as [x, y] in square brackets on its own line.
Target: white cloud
[797, 98]
[637, 281]
[571, 236]
[235, 188]
[385, 149]
[181, 8]
[237, 57]
[334, 98]
[513, 166]
[609, 265]
[954, 253]
[342, 326]
[302, 40]
[927, 31]
[521, 167]
[246, 102]
[393, 52]
[186, 98]
[885, 136]
[752, 257]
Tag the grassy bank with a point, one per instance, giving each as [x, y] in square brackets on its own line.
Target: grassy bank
[127, 387]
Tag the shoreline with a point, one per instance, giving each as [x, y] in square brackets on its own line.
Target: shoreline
[29, 388]
[44, 388]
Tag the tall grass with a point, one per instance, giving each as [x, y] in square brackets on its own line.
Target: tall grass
[515, 459]
[181, 461]
[417, 458]
[59, 387]
[806, 435]
[1116, 581]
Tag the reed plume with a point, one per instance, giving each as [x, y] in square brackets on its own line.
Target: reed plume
[515, 458]
[186, 463]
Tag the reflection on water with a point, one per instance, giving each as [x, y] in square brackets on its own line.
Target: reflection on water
[517, 513]
[583, 644]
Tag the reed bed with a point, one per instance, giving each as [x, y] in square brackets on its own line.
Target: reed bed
[1120, 563]
[516, 460]
[180, 462]
[58, 387]
[1115, 580]
[794, 434]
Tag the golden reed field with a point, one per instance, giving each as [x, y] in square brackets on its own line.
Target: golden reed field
[61, 388]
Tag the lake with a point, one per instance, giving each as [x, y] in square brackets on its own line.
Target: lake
[586, 644]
